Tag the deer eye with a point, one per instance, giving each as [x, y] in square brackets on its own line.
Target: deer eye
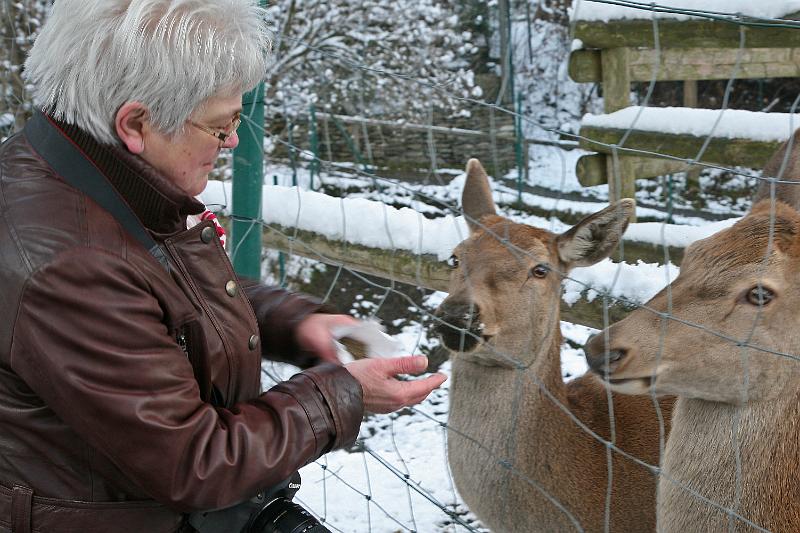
[452, 261]
[540, 271]
[760, 295]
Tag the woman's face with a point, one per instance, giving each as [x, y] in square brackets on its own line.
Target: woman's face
[188, 158]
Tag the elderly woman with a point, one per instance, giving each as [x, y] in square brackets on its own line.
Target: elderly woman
[129, 374]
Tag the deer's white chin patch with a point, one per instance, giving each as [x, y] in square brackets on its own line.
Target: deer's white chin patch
[631, 385]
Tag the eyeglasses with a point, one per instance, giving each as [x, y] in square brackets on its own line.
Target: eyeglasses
[225, 133]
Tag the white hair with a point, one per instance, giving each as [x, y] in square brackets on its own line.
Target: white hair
[92, 56]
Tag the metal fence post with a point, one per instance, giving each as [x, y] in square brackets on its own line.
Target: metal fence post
[248, 183]
[314, 140]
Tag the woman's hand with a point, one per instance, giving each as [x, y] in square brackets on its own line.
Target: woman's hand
[313, 334]
[383, 392]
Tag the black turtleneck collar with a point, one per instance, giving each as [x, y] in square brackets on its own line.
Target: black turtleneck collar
[160, 204]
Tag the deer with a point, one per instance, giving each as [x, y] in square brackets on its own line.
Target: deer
[722, 338]
[519, 459]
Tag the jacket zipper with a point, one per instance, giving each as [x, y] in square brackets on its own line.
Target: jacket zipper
[181, 338]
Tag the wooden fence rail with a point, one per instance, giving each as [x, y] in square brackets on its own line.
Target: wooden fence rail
[426, 270]
[618, 52]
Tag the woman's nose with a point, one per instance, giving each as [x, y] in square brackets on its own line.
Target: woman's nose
[232, 141]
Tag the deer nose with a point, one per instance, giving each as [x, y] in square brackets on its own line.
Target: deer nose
[601, 360]
[461, 312]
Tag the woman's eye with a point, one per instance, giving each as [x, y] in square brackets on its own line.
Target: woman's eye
[760, 296]
[540, 271]
[452, 261]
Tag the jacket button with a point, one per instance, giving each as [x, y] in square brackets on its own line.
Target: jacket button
[253, 342]
[232, 288]
[207, 234]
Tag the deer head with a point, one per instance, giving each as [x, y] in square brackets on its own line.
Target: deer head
[718, 331]
[505, 284]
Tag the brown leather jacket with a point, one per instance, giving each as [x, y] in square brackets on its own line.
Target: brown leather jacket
[108, 364]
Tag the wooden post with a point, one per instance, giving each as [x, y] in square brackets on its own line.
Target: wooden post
[616, 79]
[616, 95]
[690, 100]
[621, 172]
[690, 93]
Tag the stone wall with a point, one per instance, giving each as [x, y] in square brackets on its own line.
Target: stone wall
[406, 151]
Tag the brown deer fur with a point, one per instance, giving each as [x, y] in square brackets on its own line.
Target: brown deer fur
[512, 451]
[738, 405]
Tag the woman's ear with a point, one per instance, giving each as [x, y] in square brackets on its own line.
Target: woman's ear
[130, 126]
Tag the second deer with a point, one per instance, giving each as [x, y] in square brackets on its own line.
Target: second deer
[518, 460]
[722, 337]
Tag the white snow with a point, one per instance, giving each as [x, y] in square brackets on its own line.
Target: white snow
[413, 445]
[598, 11]
[374, 224]
[635, 283]
[733, 123]
[679, 236]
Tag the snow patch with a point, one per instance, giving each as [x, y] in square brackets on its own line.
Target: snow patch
[595, 11]
[733, 123]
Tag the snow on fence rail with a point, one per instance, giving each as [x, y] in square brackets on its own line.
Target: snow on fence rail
[402, 245]
[586, 10]
[658, 139]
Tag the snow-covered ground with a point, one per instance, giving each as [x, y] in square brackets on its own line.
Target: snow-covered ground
[404, 468]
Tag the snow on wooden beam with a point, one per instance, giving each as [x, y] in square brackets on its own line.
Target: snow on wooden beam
[425, 271]
[743, 138]
[729, 152]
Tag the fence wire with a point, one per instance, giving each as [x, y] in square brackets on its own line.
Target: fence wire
[526, 382]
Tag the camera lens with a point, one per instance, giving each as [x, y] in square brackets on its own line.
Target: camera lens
[285, 516]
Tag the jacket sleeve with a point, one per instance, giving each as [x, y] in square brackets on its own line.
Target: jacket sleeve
[90, 340]
[278, 313]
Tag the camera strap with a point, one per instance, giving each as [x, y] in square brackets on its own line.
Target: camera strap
[74, 166]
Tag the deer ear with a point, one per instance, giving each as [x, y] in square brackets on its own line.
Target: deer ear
[476, 198]
[596, 236]
[785, 166]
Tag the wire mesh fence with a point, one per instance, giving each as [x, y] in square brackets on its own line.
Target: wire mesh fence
[524, 448]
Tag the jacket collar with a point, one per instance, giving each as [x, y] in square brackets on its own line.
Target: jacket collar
[160, 204]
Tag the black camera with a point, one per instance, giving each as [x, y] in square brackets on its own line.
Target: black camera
[271, 511]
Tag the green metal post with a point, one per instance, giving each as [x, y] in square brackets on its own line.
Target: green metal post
[518, 145]
[511, 55]
[248, 182]
[314, 166]
[292, 150]
[281, 255]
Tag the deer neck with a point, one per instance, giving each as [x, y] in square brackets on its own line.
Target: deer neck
[710, 442]
[499, 405]
[504, 364]
[500, 416]
[535, 353]
[491, 399]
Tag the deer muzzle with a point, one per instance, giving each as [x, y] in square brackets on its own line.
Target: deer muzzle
[610, 362]
[459, 325]
[602, 359]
